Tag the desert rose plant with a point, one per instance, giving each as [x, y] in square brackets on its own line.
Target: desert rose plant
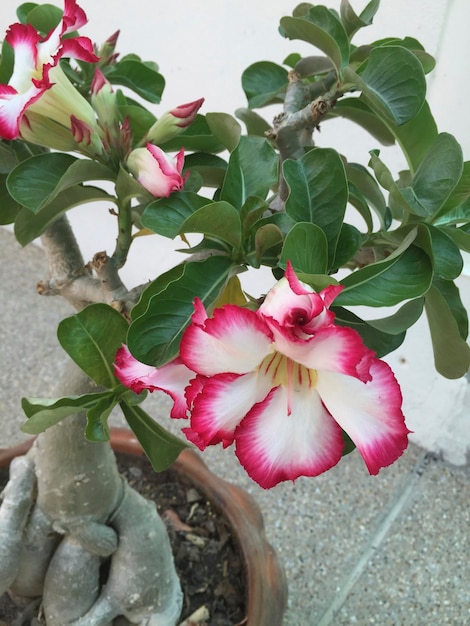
[291, 377]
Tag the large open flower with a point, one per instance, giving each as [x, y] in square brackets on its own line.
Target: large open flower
[284, 382]
[37, 81]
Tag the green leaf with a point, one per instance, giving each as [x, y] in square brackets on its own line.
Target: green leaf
[318, 192]
[358, 112]
[404, 318]
[306, 247]
[225, 128]
[28, 226]
[380, 342]
[97, 428]
[352, 22]
[436, 177]
[39, 180]
[264, 83]
[349, 242]
[165, 216]
[33, 180]
[210, 167]
[388, 282]
[252, 171]
[161, 447]
[416, 136]
[219, 220]
[138, 76]
[268, 241]
[447, 260]
[255, 124]
[451, 295]
[43, 17]
[451, 351]
[91, 338]
[393, 82]
[45, 412]
[459, 196]
[154, 338]
[323, 29]
[197, 137]
[156, 286]
[367, 185]
[9, 209]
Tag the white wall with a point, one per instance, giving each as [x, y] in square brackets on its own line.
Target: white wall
[202, 47]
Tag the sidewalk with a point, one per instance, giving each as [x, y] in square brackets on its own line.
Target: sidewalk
[391, 550]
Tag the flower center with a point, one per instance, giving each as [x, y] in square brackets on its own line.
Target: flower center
[288, 373]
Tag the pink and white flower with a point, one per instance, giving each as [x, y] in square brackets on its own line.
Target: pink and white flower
[37, 82]
[283, 383]
[155, 170]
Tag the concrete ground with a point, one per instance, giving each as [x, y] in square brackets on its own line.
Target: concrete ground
[387, 550]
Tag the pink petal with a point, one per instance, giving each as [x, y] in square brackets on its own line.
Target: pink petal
[74, 17]
[234, 340]
[187, 112]
[79, 48]
[221, 405]
[12, 107]
[171, 378]
[369, 412]
[275, 447]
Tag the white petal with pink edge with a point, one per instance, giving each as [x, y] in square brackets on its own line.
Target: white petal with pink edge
[234, 340]
[274, 447]
[224, 401]
[172, 378]
[333, 348]
[12, 106]
[369, 412]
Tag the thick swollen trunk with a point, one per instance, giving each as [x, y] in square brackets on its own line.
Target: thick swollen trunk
[71, 529]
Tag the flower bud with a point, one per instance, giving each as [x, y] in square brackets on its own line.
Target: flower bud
[155, 170]
[173, 122]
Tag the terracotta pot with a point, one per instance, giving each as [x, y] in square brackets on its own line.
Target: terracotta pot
[265, 578]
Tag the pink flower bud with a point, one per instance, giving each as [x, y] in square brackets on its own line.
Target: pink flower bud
[155, 170]
[173, 122]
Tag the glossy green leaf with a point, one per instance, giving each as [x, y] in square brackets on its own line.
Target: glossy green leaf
[210, 167]
[255, 124]
[388, 282]
[91, 338]
[358, 112]
[28, 226]
[166, 215]
[161, 447]
[451, 351]
[264, 83]
[392, 81]
[306, 247]
[43, 413]
[410, 43]
[323, 29]
[436, 177]
[404, 318]
[97, 428]
[386, 180]
[353, 22]
[318, 192]
[368, 186]
[358, 201]
[416, 136]
[156, 286]
[39, 180]
[219, 220]
[252, 170]
[197, 137]
[349, 241]
[451, 295]
[9, 209]
[154, 337]
[225, 128]
[459, 236]
[139, 77]
[267, 238]
[380, 342]
[458, 201]
[44, 17]
[444, 252]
